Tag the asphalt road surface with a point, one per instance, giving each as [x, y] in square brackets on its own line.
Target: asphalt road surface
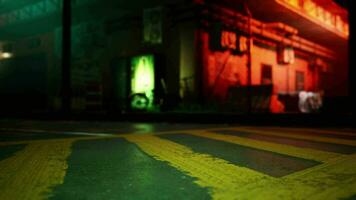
[109, 160]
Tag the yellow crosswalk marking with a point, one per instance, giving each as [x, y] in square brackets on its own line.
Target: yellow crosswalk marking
[296, 136]
[305, 153]
[333, 180]
[32, 172]
[311, 130]
[53, 140]
[220, 176]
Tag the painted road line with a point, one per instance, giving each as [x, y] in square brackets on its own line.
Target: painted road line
[10, 150]
[165, 132]
[322, 133]
[57, 132]
[311, 130]
[267, 162]
[295, 136]
[221, 177]
[118, 169]
[31, 173]
[321, 146]
[333, 180]
[52, 140]
[305, 153]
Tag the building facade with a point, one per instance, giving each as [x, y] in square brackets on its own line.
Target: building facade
[222, 56]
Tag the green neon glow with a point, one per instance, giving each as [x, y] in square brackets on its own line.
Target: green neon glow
[142, 80]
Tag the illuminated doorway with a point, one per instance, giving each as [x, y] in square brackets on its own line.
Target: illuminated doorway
[142, 82]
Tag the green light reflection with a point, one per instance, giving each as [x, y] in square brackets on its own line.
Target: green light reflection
[142, 80]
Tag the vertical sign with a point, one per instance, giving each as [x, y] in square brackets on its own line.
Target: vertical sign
[152, 25]
[285, 55]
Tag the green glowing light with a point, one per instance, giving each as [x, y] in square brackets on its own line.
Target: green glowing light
[142, 80]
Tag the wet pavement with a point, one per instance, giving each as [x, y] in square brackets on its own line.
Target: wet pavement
[111, 160]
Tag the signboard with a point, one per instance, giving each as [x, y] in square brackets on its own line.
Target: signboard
[324, 12]
[228, 40]
[152, 25]
[285, 55]
[221, 40]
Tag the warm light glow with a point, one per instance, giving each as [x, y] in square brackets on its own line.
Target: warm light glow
[318, 12]
[6, 55]
[228, 40]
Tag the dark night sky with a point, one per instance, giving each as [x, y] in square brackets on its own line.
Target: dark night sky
[343, 3]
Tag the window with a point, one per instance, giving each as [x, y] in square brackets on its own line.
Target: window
[323, 80]
[299, 81]
[266, 74]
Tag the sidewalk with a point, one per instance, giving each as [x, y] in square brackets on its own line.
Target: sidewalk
[291, 119]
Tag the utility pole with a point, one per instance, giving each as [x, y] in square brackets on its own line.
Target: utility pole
[249, 59]
[66, 56]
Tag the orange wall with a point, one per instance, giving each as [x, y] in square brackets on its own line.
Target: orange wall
[283, 75]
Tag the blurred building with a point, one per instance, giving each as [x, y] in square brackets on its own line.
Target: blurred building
[177, 52]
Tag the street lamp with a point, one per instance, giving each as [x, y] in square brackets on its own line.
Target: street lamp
[6, 52]
[6, 55]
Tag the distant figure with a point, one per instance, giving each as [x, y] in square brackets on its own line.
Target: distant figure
[316, 101]
[310, 102]
[303, 103]
[276, 106]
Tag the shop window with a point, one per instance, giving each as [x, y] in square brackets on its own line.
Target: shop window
[266, 74]
[299, 81]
